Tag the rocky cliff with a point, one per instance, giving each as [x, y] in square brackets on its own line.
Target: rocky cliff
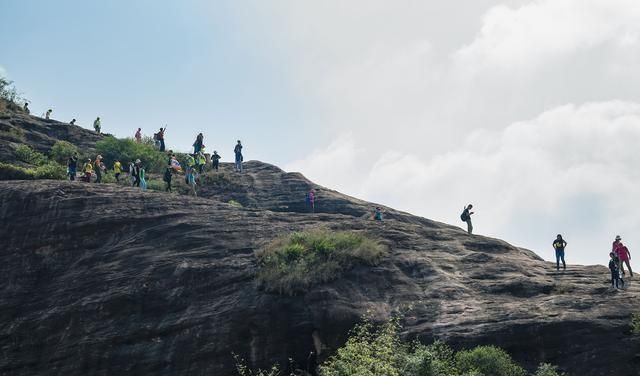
[106, 280]
[16, 128]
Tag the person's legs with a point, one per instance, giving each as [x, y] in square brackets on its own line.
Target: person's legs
[557, 259]
[564, 265]
[613, 279]
[621, 267]
[469, 226]
[117, 178]
[162, 145]
[629, 267]
[136, 183]
[98, 176]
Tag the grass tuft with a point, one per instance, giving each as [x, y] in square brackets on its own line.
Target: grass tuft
[293, 263]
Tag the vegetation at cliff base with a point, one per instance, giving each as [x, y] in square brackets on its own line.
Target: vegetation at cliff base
[32, 165]
[378, 350]
[292, 263]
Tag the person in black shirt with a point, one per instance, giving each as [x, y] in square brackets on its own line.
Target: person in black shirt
[559, 245]
[614, 263]
[466, 217]
[72, 166]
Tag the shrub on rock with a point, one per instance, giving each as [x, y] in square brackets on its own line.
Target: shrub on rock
[294, 263]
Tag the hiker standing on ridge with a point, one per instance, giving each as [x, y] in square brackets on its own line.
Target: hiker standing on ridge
[623, 255]
[99, 168]
[238, 152]
[466, 217]
[198, 144]
[201, 160]
[168, 175]
[614, 267]
[161, 137]
[87, 169]
[311, 201]
[96, 124]
[26, 108]
[72, 166]
[117, 170]
[136, 173]
[215, 160]
[72, 122]
[138, 135]
[559, 245]
[48, 114]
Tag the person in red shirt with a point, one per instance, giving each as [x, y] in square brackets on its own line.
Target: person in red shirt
[623, 254]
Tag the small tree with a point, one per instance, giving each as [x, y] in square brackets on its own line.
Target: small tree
[9, 92]
[62, 150]
[488, 360]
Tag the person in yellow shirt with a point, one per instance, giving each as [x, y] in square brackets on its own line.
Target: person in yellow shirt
[117, 170]
[87, 169]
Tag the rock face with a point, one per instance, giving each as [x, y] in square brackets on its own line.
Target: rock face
[16, 127]
[106, 280]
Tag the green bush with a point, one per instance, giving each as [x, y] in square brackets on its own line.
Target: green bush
[13, 172]
[293, 263]
[488, 361]
[49, 170]
[635, 323]
[156, 185]
[62, 150]
[546, 369]
[234, 203]
[25, 154]
[9, 92]
[127, 150]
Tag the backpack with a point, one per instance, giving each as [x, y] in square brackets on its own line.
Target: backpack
[167, 176]
[155, 137]
[464, 216]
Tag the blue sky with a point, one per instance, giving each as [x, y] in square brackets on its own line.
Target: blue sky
[188, 64]
[529, 109]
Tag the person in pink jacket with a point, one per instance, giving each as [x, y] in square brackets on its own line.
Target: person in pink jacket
[623, 254]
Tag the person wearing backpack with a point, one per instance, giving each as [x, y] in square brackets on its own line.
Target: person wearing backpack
[198, 144]
[167, 178]
[161, 138]
[614, 267]
[466, 217]
[559, 245]
[136, 173]
[201, 160]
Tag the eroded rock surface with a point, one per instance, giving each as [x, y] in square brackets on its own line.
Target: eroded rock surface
[106, 280]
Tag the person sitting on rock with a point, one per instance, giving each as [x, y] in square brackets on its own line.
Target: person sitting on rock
[238, 152]
[117, 170]
[377, 214]
[616, 280]
[72, 122]
[97, 125]
[215, 160]
[466, 217]
[87, 169]
[72, 166]
[558, 245]
[26, 108]
[47, 115]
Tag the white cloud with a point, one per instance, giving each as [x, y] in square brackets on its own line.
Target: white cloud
[572, 169]
[544, 31]
[3, 72]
